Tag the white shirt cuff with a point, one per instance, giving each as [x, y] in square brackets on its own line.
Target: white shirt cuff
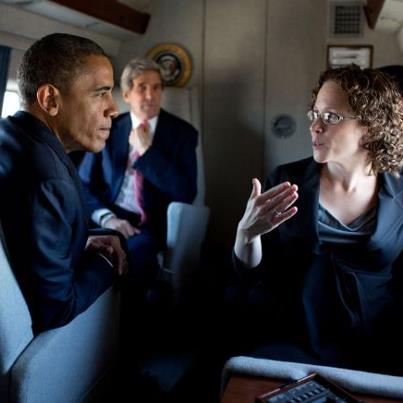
[98, 215]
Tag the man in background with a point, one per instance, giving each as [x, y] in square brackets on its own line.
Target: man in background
[148, 162]
[65, 83]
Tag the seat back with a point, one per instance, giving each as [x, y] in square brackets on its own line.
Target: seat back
[15, 321]
[187, 224]
[61, 365]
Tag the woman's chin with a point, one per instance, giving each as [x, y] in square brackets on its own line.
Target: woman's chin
[319, 157]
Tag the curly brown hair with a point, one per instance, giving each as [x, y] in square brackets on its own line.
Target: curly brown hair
[377, 104]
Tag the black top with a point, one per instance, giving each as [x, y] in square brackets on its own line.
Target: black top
[340, 300]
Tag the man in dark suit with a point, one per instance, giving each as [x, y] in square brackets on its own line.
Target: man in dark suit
[148, 162]
[65, 83]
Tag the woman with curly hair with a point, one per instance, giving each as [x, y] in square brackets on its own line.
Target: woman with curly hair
[322, 244]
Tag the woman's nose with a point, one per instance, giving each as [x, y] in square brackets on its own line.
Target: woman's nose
[317, 125]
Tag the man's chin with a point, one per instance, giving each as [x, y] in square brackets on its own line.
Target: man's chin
[96, 147]
[151, 113]
[99, 147]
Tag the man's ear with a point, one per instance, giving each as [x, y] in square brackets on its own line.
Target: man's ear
[126, 95]
[48, 98]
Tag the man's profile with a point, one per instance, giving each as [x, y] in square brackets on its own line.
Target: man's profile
[65, 83]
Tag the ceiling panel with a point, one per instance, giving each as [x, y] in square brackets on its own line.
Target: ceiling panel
[71, 16]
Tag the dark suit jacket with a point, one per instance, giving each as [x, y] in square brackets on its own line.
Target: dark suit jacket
[337, 296]
[168, 166]
[41, 211]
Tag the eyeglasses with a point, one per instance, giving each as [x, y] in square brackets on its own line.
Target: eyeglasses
[328, 118]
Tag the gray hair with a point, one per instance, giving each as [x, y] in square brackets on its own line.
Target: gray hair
[55, 59]
[135, 68]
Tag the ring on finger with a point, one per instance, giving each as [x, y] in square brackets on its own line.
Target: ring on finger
[277, 213]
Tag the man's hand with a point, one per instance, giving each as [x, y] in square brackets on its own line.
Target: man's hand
[123, 226]
[110, 246]
[140, 138]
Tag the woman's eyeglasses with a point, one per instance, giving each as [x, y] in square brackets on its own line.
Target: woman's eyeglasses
[328, 118]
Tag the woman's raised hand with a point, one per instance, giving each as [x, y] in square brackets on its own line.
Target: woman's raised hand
[266, 211]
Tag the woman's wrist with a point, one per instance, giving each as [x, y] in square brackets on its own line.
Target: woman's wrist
[244, 236]
[248, 249]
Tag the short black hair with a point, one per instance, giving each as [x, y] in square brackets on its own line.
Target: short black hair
[396, 72]
[54, 59]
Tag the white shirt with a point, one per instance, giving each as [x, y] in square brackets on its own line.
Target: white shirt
[126, 198]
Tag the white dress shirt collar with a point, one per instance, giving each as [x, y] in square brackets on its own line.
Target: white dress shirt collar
[136, 122]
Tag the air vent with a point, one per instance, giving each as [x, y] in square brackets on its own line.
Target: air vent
[346, 19]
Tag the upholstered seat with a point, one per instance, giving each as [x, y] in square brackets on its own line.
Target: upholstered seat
[355, 381]
[60, 365]
[187, 223]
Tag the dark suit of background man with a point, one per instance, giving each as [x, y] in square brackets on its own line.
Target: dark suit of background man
[65, 83]
[149, 143]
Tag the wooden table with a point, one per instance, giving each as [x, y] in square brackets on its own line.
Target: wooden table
[244, 389]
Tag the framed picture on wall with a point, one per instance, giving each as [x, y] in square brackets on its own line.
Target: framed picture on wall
[342, 55]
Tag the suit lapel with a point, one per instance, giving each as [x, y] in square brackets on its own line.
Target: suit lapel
[43, 134]
[162, 130]
[390, 209]
[119, 149]
[308, 203]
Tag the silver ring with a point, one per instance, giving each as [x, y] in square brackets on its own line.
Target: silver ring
[277, 213]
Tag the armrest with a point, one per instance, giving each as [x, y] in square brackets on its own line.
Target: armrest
[63, 364]
[187, 226]
[355, 381]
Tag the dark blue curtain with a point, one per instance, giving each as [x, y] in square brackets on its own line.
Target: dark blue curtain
[4, 63]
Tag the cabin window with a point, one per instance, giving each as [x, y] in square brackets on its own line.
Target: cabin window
[11, 103]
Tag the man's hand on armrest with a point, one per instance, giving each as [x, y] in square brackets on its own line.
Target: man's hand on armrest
[109, 247]
[123, 226]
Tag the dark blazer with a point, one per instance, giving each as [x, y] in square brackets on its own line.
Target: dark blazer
[168, 166]
[338, 296]
[41, 211]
